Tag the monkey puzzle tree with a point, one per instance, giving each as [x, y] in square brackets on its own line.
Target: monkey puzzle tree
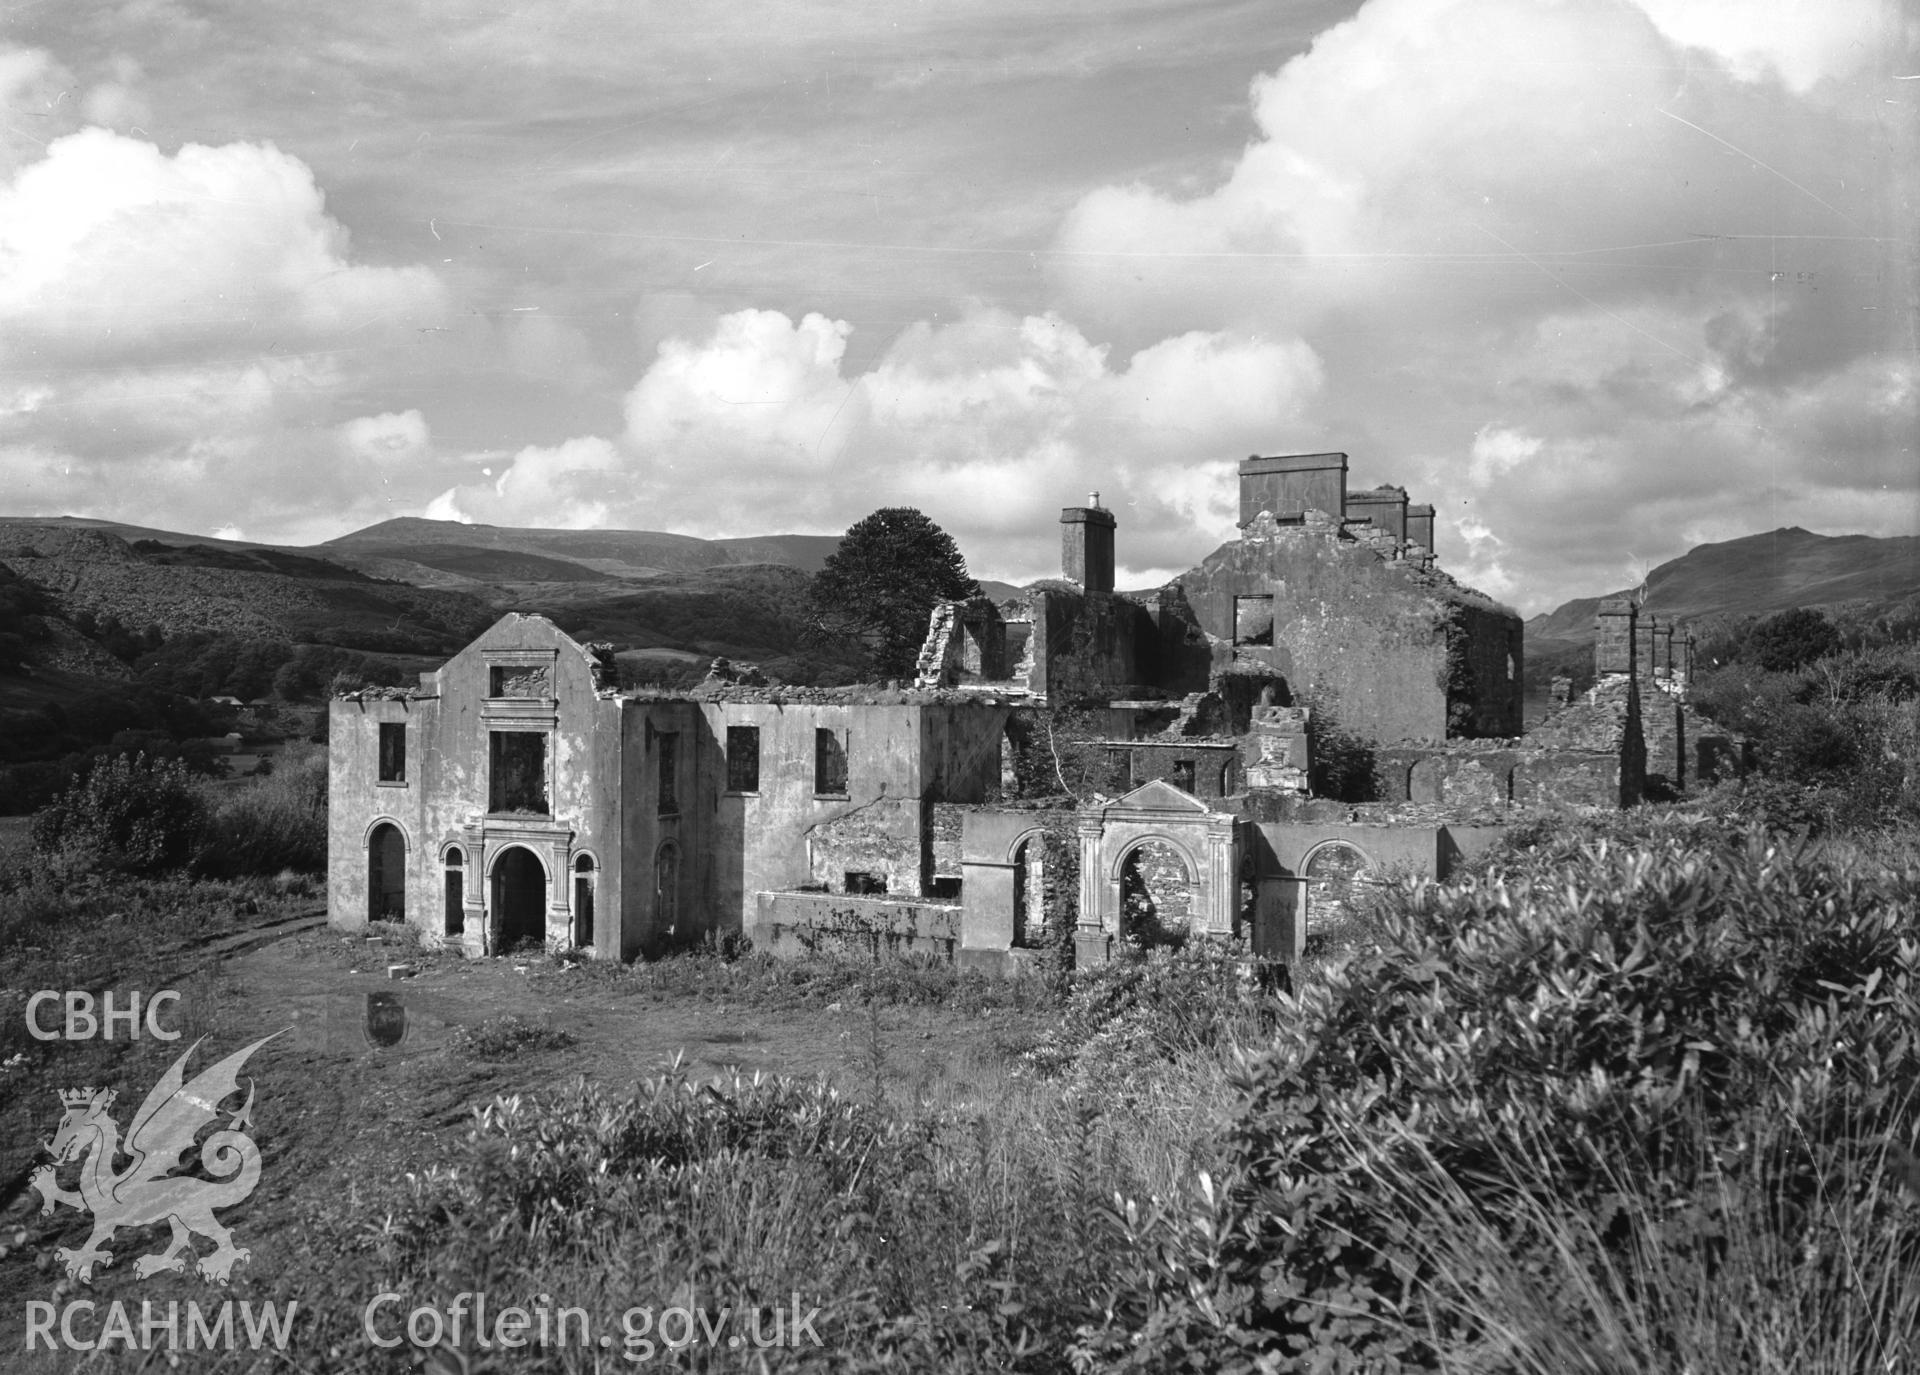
[879, 588]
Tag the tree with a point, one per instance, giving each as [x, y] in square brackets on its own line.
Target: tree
[879, 588]
[1791, 639]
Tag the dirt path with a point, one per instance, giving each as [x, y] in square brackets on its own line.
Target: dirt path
[320, 983]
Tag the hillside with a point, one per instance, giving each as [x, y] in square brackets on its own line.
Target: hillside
[416, 586]
[491, 553]
[180, 588]
[1757, 575]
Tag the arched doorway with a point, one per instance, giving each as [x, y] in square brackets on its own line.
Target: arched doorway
[666, 888]
[1336, 879]
[583, 885]
[455, 915]
[519, 899]
[1156, 895]
[386, 873]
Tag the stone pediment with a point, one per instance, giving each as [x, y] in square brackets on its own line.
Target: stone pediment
[1158, 795]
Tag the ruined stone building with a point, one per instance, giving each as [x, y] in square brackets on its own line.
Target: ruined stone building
[1316, 704]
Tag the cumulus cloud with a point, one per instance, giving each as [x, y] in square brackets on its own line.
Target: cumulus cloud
[112, 250]
[565, 486]
[177, 326]
[1576, 267]
[1800, 44]
[991, 424]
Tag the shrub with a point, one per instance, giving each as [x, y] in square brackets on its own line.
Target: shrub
[1151, 1008]
[499, 1038]
[273, 823]
[1613, 1065]
[135, 815]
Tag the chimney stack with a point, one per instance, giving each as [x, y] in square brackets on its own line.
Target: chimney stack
[1086, 545]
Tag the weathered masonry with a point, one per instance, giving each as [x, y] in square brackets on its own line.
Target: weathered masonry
[1315, 705]
[515, 797]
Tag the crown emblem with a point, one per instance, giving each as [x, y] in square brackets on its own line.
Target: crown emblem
[88, 1097]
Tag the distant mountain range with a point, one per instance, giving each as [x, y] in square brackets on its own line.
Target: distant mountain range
[416, 586]
[425, 586]
[1757, 575]
[441, 552]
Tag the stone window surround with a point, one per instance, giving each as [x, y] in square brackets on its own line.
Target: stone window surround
[548, 659]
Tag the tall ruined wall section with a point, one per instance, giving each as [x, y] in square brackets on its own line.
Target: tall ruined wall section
[1089, 644]
[1485, 658]
[1394, 654]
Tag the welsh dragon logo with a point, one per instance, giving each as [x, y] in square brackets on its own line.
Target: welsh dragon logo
[147, 1191]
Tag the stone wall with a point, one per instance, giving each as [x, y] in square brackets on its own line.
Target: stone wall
[793, 923]
[1389, 650]
[1087, 645]
[1485, 661]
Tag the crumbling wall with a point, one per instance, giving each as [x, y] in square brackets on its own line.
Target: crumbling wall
[1604, 721]
[1346, 626]
[1485, 659]
[793, 924]
[1554, 780]
[1278, 750]
[1464, 780]
[1087, 645]
[966, 643]
[1207, 768]
[1663, 727]
[946, 823]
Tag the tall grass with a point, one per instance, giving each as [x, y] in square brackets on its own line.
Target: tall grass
[1633, 1096]
[967, 1228]
[1738, 1277]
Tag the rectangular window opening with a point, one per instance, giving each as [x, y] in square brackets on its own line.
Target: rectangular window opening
[866, 885]
[517, 771]
[1182, 776]
[1253, 620]
[669, 772]
[829, 762]
[743, 759]
[393, 751]
[525, 681]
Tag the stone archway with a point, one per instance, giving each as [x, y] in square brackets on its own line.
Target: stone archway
[1336, 880]
[386, 873]
[519, 899]
[1157, 897]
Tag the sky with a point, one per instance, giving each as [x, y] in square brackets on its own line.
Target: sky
[1600, 279]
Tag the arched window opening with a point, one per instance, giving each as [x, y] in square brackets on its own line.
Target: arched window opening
[583, 886]
[456, 891]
